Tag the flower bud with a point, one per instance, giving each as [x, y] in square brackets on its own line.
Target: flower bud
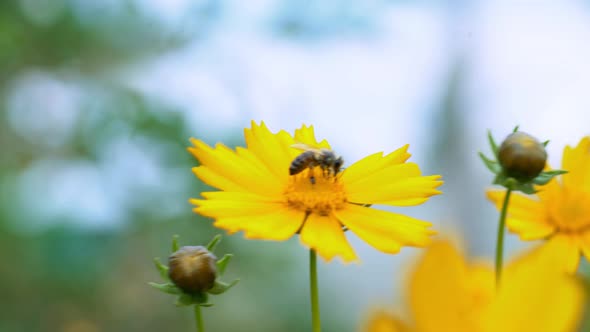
[522, 156]
[192, 269]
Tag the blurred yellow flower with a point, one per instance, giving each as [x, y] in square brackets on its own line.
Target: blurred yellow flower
[446, 294]
[559, 212]
[259, 197]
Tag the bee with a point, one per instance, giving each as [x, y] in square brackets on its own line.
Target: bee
[326, 159]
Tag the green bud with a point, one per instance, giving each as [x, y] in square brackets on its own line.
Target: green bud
[193, 273]
[192, 269]
[522, 156]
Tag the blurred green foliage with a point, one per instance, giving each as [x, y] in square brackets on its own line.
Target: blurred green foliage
[61, 272]
[64, 39]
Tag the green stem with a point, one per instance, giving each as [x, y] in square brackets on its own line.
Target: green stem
[500, 243]
[313, 286]
[199, 318]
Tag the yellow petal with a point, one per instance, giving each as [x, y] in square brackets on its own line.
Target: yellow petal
[228, 195]
[373, 163]
[279, 177]
[324, 234]
[216, 180]
[385, 231]
[584, 242]
[306, 135]
[526, 216]
[387, 173]
[279, 223]
[245, 173]
[274, 150]
[233, 204]
[438, 298]
[550, 191]
[382, 321]
[567, 249]
[536, 296]
[529, 230]
[577, 162]
[521, 206]
[394, 185]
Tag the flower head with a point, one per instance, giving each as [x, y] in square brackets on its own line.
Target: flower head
[193, 273]
[447, 294]
[259, 196]
[192, 269]
[559, 211]
[519, 162]
[522, 156]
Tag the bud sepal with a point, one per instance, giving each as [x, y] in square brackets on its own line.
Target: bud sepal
[193, 273]
[519, 162]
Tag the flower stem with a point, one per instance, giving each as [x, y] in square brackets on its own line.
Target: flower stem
[500, 242]
[199, 318]
[313, 286]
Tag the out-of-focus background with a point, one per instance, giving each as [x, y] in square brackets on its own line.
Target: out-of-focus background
[98, 100]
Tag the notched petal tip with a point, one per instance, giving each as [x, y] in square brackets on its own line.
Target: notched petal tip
[193, 140]
[195, 201]
[345, 258]
[431, 232]
[230, 230]
[436, 192]
[256, 125]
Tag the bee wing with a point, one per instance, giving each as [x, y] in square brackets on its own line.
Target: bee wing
[303, 147]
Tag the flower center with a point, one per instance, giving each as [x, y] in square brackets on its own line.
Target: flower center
[315, 191]
[571, 211]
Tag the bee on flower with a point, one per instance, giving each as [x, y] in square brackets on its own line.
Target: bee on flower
[280, 185]
[326, 159]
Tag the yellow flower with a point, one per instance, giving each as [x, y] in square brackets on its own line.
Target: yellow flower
[259, 197]
[559, 212]
[446, 294]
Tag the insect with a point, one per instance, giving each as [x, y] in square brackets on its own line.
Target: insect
[326, 159]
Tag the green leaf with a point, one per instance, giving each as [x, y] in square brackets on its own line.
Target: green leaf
[493, 144]
[211, 246]
[222, 263]
[221, 287]
[163, 269]
[501, 179]
[200, 298]
[168, 288]
[515, 129]
[513, 184]
[545, 177]
[184, 300]
[526, 188]
[546, 143]
[492, 165]
[555, 172]
[175, 246]
[542, 179]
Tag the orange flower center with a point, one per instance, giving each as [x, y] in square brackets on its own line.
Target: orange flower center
[571, 211]
[315, 191]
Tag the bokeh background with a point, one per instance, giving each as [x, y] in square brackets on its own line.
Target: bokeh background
[98, 100]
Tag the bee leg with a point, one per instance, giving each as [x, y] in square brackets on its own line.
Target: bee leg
[311, 176]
